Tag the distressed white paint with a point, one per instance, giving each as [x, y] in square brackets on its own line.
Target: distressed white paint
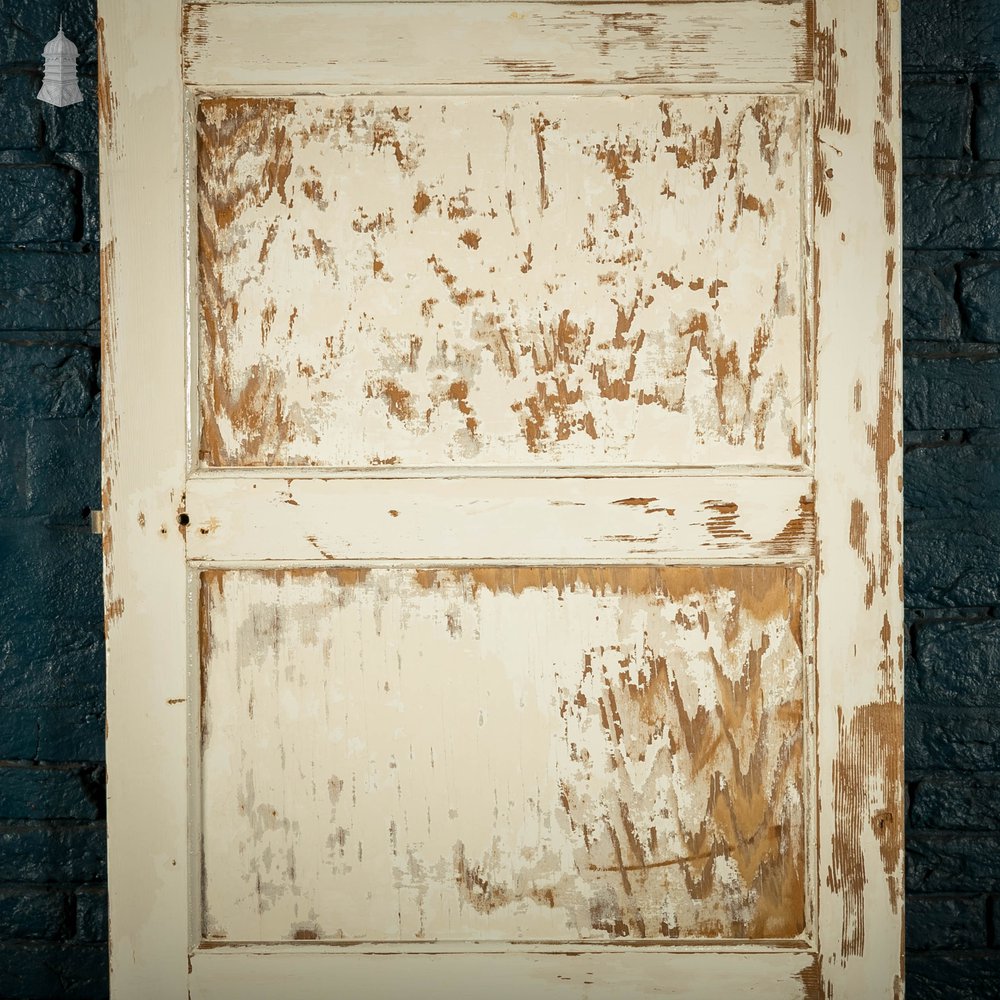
[259, 975]
[755, 41]
[857, 468]
[473, 281]
[508, 754]
[143, 459]
[678, 518]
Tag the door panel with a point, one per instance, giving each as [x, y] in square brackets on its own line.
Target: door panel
[502, 517]
[514, 753]
[474, 280]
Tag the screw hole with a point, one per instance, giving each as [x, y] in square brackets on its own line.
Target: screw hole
[183, 520]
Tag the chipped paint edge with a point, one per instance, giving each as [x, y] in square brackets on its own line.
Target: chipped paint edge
[142, 415]
[859, 497]
[223, 39]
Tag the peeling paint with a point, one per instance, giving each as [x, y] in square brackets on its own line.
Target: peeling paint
[549, 280]
[624, 762]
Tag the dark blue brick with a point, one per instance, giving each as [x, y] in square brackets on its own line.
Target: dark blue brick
[951, 212]
[988, 121]
[954, 739]
[65, 853]
[45, 571]
[74, 128]
[952, 862]
[38, 204]
[47, 380]
[946, 393]
[20, 112]
[952, 480]
[934, 922]
[952, 562]
[49, 971]
[41, 290]
[39, 792]
[71, 732]
[930, 306]
[13, 462]
[55, 733]
[954, 976]
[33, 913]
[91, 205]
[937, 118]
[51, 663]
[63, 465]
[957, 802]
[92, 915]
[950, 35]
[26, 25]
[980, 297]
[86, 165]
[959, 662]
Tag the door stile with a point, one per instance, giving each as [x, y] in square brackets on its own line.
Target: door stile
[143, 459]
[859, 496]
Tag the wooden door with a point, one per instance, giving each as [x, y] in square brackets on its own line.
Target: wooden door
[502, 511]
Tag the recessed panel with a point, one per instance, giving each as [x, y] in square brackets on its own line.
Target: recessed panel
[527, 754]
[480, 281]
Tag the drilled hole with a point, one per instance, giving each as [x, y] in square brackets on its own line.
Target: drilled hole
[183, 520]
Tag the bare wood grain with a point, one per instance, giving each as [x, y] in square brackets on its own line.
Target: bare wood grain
[508, 44]
[859, 497]
[468, 281]
[680, 518]
[505, 753]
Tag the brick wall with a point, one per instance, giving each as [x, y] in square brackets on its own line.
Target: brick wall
[52, 900]
[951, 189]
[52, 897]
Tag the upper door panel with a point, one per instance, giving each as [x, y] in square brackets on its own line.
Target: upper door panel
[527, 281]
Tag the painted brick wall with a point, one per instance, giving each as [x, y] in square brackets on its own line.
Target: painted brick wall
[951, 190]
[52, 900]
[52, 897]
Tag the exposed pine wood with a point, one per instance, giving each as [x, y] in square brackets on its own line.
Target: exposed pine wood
[844, 779]
[469, 281]
[859, 497]
[513, 753]
[679, 518]
[502, 43]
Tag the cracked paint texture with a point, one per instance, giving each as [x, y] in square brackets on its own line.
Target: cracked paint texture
[473, 281]
[513, 753]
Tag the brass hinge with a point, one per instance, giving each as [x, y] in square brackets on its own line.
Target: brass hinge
[97, 522]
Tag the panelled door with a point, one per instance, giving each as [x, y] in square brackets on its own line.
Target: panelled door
[502, 509]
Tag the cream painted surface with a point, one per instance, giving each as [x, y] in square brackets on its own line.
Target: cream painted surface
[230, 45]
[256, 975]
[859, 472]
[506, 754]
[680, 517]
[843, 58]
[474, 281]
